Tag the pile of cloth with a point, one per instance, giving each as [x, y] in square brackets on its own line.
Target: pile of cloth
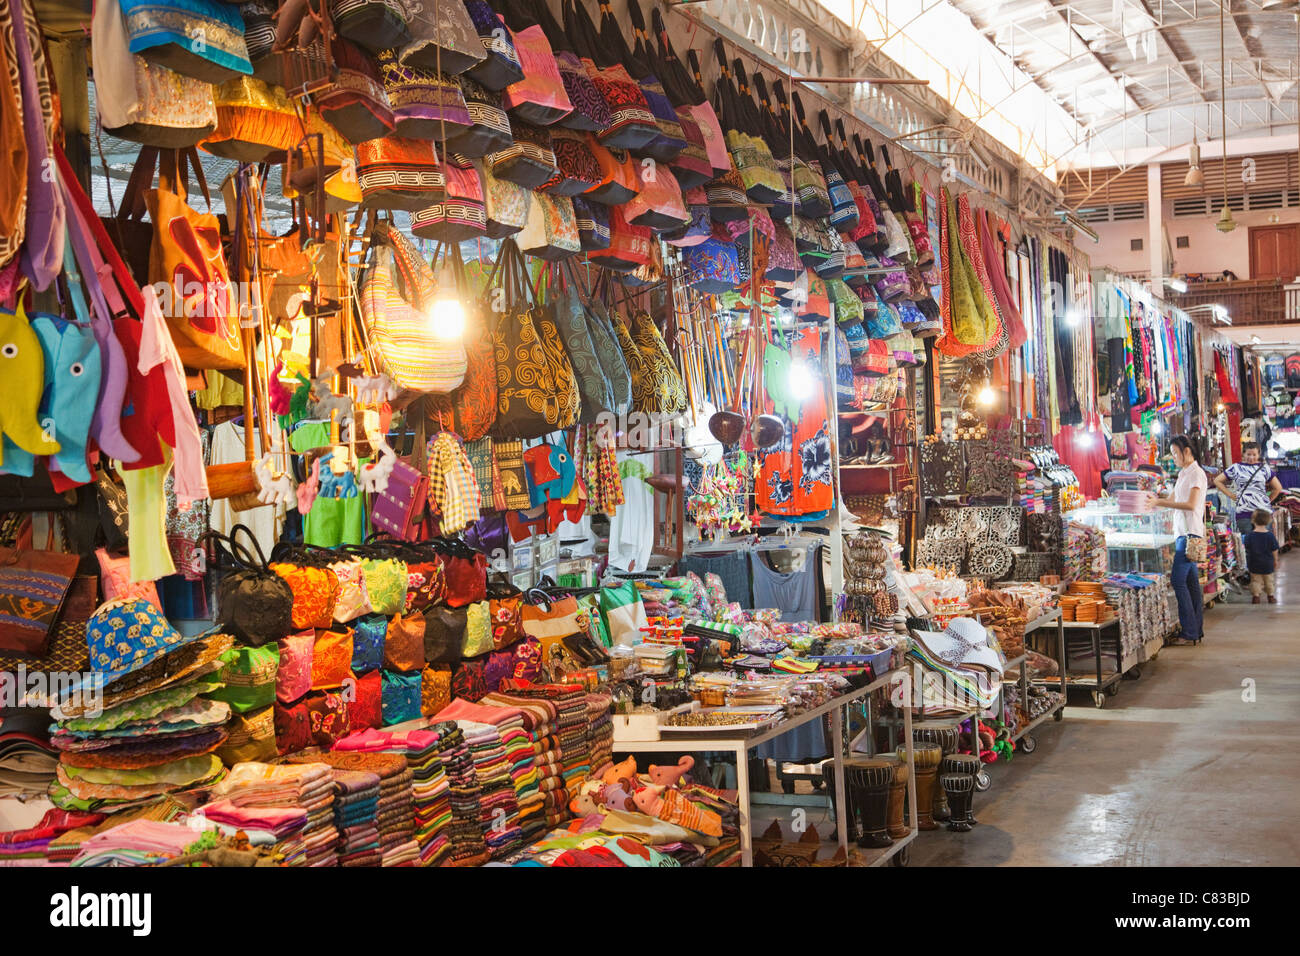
[430, 790]
[570, 703]
[137, 843]
[264, 826]
[540, 718]
[299, 784]
[356, 815]
[395, 813]
[464, 834]
[517, 740]
[498, 810]
[600, 729]
[27, 760]
[30, 846]
[64, 848]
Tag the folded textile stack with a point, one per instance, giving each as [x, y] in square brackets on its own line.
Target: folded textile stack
[513, 725]
[264, 826]
[395, 815]
[137, 843]
[30, 847]
[151, 732]
[571, 725]
[600, 730]
[356, 811]
[64, 847]
[431, 801]
[498, 810]
[27, 761]
[464, 834]
[302, 784]
[540, 717]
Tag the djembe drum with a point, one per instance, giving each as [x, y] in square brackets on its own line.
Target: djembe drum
[963, 763]
[870, 779]
[960, 788]
[925, 761]
[946, 738]
[850, 808]
[897, 796]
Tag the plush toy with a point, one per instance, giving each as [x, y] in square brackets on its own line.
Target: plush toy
[22, 362]
[375, 389]
[279, 395]
[551, 473]
[620, 771]
[615, 796]
[670, 776]
[323, 401]
[334, 485]
[375, 473]
[273, 488]
[587, 800]
[671, 805]
[308, 490]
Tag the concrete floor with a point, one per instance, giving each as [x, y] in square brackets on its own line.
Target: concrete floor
[1180, 769]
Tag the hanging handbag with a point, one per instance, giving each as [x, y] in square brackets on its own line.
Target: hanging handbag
[551, 232]
[535, 394]
[606, 345]
[355, 104]
[740, 120]
[397, 509]
[442, 37]
[254, 604]
[570, 319]
[619, 180]
[669, 140]
[699, 228]
[590, 112]
[692, 166]
[489, 130]
[500, 67]
[398, 173]
[256, 123]
[506, 203]
[578, 170]
[461, 213]
[186, 257]
[33, 589]
[593, 224]
[374, 24]
[629, 245]
[395, 291]
[529, 160]
[141, 101]
[426, 104]
[658, 203]
[540, 97]
[632, 125]
[199, 38]
[472, 407]
[713, 266]
[662, 373]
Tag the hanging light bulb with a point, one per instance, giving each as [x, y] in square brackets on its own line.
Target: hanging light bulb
[447, 314]
[987, 396]
[801, 382]
[1226, 223]
[1157, 428]
[1194, 175]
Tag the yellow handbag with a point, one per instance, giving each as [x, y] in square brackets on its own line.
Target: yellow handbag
[256, 122]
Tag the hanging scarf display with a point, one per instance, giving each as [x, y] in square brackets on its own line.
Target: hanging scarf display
[794, 479]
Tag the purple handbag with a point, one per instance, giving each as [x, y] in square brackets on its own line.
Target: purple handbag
[489, 534]
[397, 509]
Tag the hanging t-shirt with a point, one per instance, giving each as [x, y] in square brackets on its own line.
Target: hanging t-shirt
[264, 521]
[794, 593]
[794, 475]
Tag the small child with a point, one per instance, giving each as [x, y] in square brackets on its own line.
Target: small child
[1261, 548]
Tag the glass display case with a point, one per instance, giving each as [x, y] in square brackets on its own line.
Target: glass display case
[1134, 542]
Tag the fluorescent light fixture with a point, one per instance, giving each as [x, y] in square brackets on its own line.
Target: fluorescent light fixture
[1177, 284]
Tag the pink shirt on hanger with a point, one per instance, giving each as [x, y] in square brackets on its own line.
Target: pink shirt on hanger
[157, 348]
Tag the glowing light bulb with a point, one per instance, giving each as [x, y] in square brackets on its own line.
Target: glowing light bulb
[987, 396]
[1084, 439]
[447, 318]
[1157, 428]
[801, 382]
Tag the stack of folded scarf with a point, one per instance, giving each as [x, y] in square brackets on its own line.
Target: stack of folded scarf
[27, 760]
[304, 784]
[600, 729]
[30, 846]
[497, 807]
[570, 725]
[264, 826]
[395, 816]
[512, 724]
[65, 847]
[138, 843]
[540, 718]
[431, 802]
[356, 809]
[463, 834]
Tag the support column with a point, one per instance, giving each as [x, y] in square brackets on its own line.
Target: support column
[69, 65]
[1155, 229]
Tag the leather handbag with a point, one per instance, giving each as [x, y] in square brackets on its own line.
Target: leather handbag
[500, 67]
[397, 288]
[186, 256]
[254, 604]
[489, 130]
[540, 97]
[426, 104]
[398, 173]
[33, 588]
[165, 32]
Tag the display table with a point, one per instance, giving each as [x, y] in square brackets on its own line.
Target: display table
[1103, 684]
[1027, 742]
[741, 744]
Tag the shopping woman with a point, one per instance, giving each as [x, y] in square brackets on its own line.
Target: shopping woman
[1251, 485]
[1188, 505]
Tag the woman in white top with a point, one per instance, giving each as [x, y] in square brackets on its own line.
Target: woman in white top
[1188, 505]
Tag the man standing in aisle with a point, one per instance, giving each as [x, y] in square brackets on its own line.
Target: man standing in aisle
[1250, 483]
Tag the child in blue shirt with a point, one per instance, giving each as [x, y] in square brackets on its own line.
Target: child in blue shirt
[1261, 549]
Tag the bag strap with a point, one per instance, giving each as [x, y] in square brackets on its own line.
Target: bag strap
[248, 533]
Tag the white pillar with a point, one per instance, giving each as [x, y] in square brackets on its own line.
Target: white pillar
[1155, 228]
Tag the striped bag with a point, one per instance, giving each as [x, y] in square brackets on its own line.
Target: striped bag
[453, 492]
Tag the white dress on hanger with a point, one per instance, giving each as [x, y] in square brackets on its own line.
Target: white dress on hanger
[632, 529]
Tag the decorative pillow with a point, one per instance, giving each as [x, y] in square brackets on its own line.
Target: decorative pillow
[331, 662]
[366, 709]
[368, 643]
[293, 677]
[401, 693]
[115, 572]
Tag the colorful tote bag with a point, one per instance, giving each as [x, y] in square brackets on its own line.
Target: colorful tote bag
[166, 32]
[426, 104]
[489, 129]
[462, 212]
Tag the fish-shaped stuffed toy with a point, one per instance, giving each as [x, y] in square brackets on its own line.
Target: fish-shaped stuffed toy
[22, 366]
[72, 373]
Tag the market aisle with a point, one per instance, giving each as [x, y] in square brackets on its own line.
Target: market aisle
[1178, 770]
